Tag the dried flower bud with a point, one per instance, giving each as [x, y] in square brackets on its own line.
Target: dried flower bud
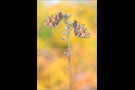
[65, 28]
[66, 41]
[65, 53]
[68, 49]
[64, 33]
[63, 38]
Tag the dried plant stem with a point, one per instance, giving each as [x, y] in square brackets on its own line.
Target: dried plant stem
[70, 71]
[70, 66]
[68, 35]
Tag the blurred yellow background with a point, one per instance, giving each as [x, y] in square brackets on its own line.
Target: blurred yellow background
[52, 64]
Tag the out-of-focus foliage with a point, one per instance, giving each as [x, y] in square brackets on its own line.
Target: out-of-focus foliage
[52, 65]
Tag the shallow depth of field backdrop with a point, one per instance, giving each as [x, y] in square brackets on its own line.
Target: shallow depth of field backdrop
[52, 64]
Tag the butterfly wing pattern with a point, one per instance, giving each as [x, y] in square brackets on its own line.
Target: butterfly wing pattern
[54, 20]
[80, 31]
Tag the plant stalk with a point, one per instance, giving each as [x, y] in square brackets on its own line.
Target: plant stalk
[68, 50]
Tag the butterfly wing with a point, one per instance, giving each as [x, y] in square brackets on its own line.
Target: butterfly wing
[54, 20]
[80, 31]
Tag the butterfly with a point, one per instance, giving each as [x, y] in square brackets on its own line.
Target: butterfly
[80, 31]
[54, 20]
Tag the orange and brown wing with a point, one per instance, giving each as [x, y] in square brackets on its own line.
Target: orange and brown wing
[80, 31]
[54, 20]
